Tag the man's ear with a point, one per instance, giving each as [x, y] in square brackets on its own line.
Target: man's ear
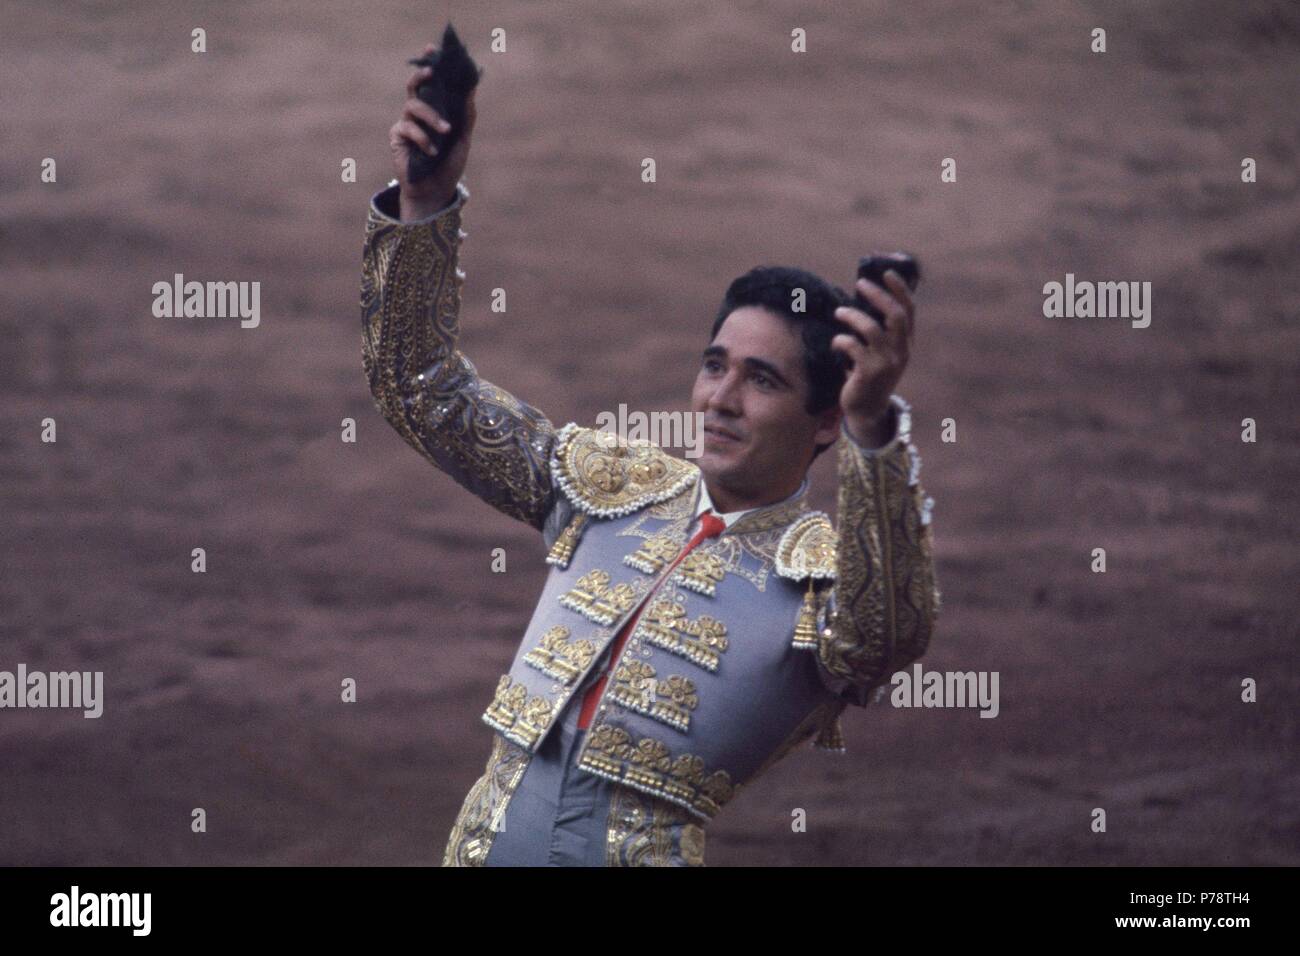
[828, 425]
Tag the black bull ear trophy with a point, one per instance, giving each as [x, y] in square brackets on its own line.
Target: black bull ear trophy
[454, 75]
[873, 268]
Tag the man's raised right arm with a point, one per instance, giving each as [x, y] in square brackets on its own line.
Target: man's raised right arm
[487, 440]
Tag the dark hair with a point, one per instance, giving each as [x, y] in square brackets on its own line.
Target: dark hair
[772, 287]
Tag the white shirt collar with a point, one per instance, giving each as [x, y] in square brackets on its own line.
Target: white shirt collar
[706, 503]
[732, 516]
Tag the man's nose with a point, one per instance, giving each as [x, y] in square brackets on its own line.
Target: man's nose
[726, 395]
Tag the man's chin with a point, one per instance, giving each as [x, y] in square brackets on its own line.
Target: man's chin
[715, 465]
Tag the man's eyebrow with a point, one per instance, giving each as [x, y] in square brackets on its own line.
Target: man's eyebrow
[719, 351]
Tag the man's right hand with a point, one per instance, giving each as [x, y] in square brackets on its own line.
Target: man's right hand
[426, 197]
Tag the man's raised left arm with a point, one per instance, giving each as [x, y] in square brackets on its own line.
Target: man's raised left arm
[885, 600]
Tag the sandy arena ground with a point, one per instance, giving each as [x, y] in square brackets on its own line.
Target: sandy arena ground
[329, 560]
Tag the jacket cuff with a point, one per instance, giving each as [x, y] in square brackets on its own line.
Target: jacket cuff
[385, 206]
[902, 430]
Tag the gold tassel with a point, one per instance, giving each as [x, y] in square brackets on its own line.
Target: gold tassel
[562, 550]
[805, 631]
[831, 736]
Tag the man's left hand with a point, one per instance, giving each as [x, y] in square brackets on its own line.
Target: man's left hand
[878, 365]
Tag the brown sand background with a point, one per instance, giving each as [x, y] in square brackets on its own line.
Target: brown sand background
[329, 560]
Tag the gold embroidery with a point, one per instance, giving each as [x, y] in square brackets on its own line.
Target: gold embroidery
[607, 476]
[558, 657]
[682, 506]
[772, 517]
[650, 767]
[807, 548]
[480, 816]
[676, 512]
[830, 735]
[562, 551]
[756, 536]
[700, 571]
[519, 717]
[654, 554]
[635, 688]
[805, 628]
[749, 555]
[594, 599]
[485, 438]
[641, 831]
[732, 551]
[692, 844]
[885, 599]
[664, 624]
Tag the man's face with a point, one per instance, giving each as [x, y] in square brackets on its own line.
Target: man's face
[751, 385]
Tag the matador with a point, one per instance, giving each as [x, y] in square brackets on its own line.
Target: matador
[699, 621]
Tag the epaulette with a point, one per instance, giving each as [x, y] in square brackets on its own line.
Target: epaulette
[808, 548]
[607, 476]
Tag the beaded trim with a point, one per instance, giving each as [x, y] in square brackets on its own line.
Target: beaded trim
[594, 599]
[650, 767]
[665, 625]
[700, 571]
[653, 554]
[807, 549]
[516, 716]
[669, 701]
[558, 657]
[609, 477]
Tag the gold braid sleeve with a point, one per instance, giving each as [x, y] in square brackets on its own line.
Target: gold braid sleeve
[481, 436]
[885, 598]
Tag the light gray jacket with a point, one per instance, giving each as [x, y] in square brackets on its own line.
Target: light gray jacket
[754, 644]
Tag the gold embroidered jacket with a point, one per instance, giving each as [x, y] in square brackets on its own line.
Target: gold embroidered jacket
[754, 644]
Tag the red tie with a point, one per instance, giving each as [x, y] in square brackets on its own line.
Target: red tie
[710, 527]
